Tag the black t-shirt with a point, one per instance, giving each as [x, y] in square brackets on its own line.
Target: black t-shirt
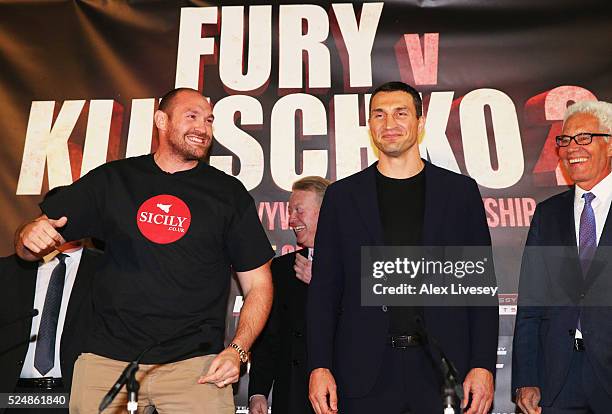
[171, 242]
[401, 204]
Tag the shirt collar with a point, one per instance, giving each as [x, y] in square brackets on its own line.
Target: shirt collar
[602, 190]
[73, 254]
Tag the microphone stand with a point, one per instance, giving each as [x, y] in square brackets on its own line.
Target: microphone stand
[128, 376]
[452, 391]
[132, 387]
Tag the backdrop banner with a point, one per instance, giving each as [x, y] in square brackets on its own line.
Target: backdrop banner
[291, 83]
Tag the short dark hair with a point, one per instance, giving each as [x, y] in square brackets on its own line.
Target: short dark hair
[400, 86]
[165, 104]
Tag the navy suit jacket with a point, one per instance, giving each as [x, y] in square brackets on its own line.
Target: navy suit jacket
[18, 281]
[349, 338]
[553, 293]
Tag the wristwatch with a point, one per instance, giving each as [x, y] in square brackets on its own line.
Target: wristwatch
[244, 357]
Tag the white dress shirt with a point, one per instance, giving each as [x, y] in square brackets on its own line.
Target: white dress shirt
[42, 283]
[601, 207]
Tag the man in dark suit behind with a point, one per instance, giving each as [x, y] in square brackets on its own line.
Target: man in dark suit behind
[59, 288]
[562, 353]
[279, 356]
[372, 359]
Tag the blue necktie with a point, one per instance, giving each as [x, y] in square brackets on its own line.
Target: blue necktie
[44, 357]
[587, 239]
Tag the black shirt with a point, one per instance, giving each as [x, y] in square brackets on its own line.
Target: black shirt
[171, 242]
[401, 203]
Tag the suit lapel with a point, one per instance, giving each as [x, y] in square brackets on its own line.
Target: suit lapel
[434, 205]
[567, 225]
[571, 278]
[82, 284]
[27, 288]
[366, 200]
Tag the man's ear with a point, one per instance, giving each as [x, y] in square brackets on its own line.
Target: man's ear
[609, 146]
[421, 128]
[161, 120]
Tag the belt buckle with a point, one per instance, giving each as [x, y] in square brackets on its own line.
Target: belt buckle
[393, 342]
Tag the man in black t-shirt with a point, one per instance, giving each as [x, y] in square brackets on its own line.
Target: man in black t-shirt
[174, 229]
[366, 359]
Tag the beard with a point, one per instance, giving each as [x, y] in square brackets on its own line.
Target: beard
[187, 151]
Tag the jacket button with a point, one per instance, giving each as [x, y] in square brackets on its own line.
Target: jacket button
[582, 296]
[19, 363]
[384, 308]
[296, 362]
[297, 334]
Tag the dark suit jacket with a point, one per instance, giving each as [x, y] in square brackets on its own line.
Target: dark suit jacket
[18, 282]
[553, 293]
[349, 338]
[279, 355]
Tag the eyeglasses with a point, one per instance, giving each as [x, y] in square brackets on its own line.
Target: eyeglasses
[584, 138]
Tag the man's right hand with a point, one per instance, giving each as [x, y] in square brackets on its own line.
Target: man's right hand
[322, 385]
[528, 399]
[39, 237]
[258, 405]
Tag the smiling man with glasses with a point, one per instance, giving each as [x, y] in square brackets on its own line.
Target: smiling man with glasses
[563, 335]
[583, 138]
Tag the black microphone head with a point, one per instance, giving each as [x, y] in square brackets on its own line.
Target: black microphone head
[33, 338]
[34, 312]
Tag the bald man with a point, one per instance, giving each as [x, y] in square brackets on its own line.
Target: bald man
[174, 229]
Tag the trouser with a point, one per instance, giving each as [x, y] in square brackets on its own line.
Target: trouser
[582, 392]
[407, 383]
[167, 388]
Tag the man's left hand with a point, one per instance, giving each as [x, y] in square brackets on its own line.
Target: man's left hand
[479, 383]
[303, 268]
[224, 369]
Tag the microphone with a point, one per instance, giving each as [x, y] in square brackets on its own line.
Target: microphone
[24, 316]
[452, 386]
[129, 373]
[112, 393]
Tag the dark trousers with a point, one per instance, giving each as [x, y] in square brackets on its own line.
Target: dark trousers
[38, 410]
[582, 393]
[407, 383]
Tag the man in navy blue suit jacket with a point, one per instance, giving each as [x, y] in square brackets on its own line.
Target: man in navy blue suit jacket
[562, 353]
[372, 359]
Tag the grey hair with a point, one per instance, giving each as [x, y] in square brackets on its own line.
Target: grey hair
[600, 109]
[313, 183]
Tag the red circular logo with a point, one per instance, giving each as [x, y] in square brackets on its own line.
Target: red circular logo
[163, 219]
